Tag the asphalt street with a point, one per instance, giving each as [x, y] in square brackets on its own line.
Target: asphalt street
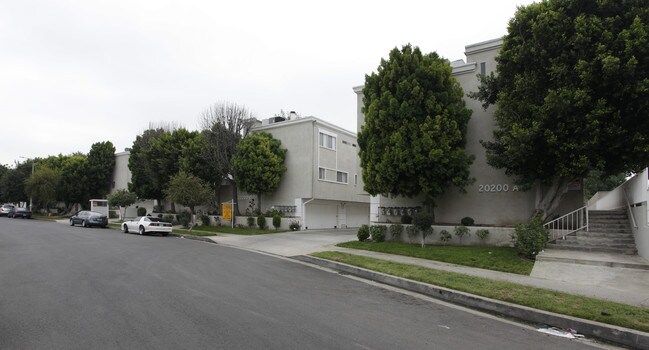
[65, 287]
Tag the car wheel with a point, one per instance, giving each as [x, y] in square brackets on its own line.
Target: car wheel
[124, 228]
[142, 232]
[71, 222]
[84, 223]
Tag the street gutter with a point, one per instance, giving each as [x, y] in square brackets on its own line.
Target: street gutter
[610, 333]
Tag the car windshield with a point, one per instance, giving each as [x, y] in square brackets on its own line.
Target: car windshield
[94, 213]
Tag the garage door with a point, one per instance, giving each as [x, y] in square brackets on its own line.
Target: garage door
[321, 216]
[358, 215]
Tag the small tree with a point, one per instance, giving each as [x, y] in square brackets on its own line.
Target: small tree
[122, 199]
[277, 221]
[423, 222]
[259, 164]
[188, 190]
[461, 231]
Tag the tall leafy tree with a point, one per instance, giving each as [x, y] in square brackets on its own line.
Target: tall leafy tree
[415, 127]
[3, 170]
[12, 183]
[572, 94]
[101, 163]
[42, 186]
[223, 124]
[259, 164]
[144, 180]
[73, 187]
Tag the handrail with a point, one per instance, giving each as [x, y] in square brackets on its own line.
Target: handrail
[574, 221]
[628, 207]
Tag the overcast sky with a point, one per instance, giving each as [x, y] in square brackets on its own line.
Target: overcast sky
[76, 72]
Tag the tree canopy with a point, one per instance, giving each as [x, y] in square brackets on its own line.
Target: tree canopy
[42, 186]
[188, 190]
[259, 164]
[122, 198]
[572, 93]
[101, 163]
[415, 127]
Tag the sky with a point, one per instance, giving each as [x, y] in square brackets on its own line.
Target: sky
[76, 72]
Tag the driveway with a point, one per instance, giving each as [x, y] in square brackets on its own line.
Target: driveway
[289, 243]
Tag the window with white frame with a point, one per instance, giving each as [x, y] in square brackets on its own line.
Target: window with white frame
[322, 173]
[327, 141]
[341, 177]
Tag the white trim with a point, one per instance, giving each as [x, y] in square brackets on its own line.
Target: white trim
[334, 170]
[483, 46]
[466, 68]
[305, 120]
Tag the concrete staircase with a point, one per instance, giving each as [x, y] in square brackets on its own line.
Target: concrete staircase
[609, 232]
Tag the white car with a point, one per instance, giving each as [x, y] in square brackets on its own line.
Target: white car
[146, 224]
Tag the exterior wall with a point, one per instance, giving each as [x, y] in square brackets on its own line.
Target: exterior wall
[634, 193]
[493, 199]
[318, 203]
[121, 173]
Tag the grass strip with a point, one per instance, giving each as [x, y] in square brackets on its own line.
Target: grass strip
[234, 230]
[194, 232]
[503, 259]
[623, 315]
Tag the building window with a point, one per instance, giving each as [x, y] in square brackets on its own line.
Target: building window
[355, 179]
[341, 177]
[321, 172]
[483, 68]
[327, 141]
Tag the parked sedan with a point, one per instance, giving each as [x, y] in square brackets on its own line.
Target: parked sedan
[20, 213]
[5, 209]
[146, 224]
[87, 218]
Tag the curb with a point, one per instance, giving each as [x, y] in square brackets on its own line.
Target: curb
[196, 238]
[610, 333]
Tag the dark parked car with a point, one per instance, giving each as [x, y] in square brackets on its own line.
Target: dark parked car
[20, 213]
[87, 218]
[5, 209]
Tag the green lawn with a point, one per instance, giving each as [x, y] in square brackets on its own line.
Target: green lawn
[493, 258]
[212, 230]
[567, 304]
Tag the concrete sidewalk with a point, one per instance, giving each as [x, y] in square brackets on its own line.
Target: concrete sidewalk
[619, 284]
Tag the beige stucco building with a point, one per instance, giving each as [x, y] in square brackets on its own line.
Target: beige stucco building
[322, 185]
[493, 199]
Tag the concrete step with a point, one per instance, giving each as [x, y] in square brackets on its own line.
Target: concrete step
[626, 251]
[594, 259]
[595, 244]
[599, 234]
[604, 240]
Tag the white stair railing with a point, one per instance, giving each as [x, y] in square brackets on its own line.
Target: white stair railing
[574, 221]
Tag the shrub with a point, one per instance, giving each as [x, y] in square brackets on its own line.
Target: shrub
[112, 214]
[422, 220]
[363, 233]
[378, 232]
[251, 222]
[444, 236]
[277, 221]
[184, 218]
[530, 238]
[141, 211]
[461, 231]
[425, 233]
[168, 218]
[406, 219]
[482, 234]
[467, 221]
[240, 226]
[272, 213]
[412, 232]
[395, 231]
[294, 225]
[261, 222]
[205, 220]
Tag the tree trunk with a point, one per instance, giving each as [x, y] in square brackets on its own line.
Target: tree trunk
[552, 197]
[191, 212]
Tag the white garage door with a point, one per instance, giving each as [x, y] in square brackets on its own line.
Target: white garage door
[321, 216]
[358, 215]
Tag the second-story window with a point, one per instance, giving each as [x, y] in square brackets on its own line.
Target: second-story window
[327, 141]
